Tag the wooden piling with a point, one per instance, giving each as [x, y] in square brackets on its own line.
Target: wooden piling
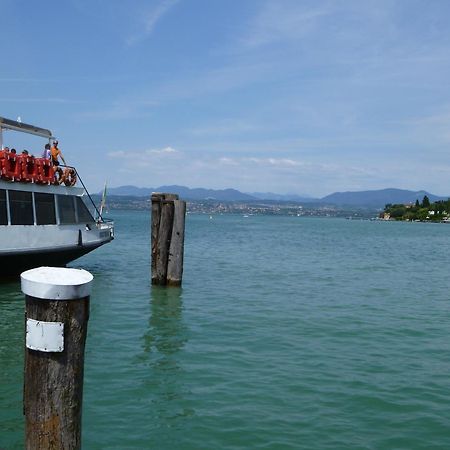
[176, 251]
[57, 313]
[167, 235]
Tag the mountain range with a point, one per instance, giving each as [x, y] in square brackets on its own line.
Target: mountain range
[373, 198]
[378, 198]
[184, 193]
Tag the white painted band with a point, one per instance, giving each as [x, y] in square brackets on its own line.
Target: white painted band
[56, 283]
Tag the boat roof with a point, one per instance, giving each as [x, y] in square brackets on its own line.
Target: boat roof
[9, 124]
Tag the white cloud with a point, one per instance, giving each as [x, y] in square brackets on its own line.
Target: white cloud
[228, 161]
[260, 162]
[278, 21]
[274, 162]
[161, 151]
[150, 19]
[142, 156]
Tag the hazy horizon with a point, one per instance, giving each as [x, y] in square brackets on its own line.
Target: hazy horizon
[278, 193]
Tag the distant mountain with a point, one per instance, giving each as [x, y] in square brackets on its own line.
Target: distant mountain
[184, 193]
[373, 199]
[282, 197]
[132, 191]
[378, 198]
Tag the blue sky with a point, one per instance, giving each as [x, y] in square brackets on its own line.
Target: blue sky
[305, 97]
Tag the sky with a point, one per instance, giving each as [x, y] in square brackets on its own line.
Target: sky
[285, 96]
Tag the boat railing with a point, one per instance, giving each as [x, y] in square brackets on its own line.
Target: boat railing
[99, 218]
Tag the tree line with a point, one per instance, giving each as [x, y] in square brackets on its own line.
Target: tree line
[423, 211]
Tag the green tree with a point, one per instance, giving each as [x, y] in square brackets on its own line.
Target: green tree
[397, 211]
[425, 202]
[417, 203]
[422, 214]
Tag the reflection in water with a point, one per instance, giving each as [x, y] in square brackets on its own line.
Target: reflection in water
[167, 333]
[163, 345]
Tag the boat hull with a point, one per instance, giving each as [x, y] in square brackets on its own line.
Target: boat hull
[12, 264]
[45, 226]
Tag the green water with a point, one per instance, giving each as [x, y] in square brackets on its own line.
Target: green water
[288, 333]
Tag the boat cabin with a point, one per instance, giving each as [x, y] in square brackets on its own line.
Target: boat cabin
[34, 207]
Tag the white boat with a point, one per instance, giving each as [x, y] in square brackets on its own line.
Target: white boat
[44, 220]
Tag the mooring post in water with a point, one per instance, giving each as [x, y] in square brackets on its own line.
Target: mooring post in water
[56, 318]
[167, 235]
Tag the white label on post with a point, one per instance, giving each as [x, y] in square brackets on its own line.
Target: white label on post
[45, 336]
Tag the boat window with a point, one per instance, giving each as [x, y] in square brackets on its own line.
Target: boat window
[83, 212]
[3, 212]
[45, 209]
[21, 208]
[66, 208]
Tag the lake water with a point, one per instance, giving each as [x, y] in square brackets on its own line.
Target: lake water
[288, 333]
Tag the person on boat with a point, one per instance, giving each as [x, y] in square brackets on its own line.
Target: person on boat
[55, 153]
[46, 153]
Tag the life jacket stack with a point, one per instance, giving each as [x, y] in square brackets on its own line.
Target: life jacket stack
[11, 167]
[45, 171]
[29, 168]
[2, 158]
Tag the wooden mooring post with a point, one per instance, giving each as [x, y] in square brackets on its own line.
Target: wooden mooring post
[57, 313]
[167, 236]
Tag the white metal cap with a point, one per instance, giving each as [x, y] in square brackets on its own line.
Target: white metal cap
[56, 283]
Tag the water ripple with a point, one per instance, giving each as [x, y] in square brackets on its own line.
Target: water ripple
[288, 333]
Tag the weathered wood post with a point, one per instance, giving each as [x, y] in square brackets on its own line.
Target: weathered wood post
[167, 235]
[57, 313]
